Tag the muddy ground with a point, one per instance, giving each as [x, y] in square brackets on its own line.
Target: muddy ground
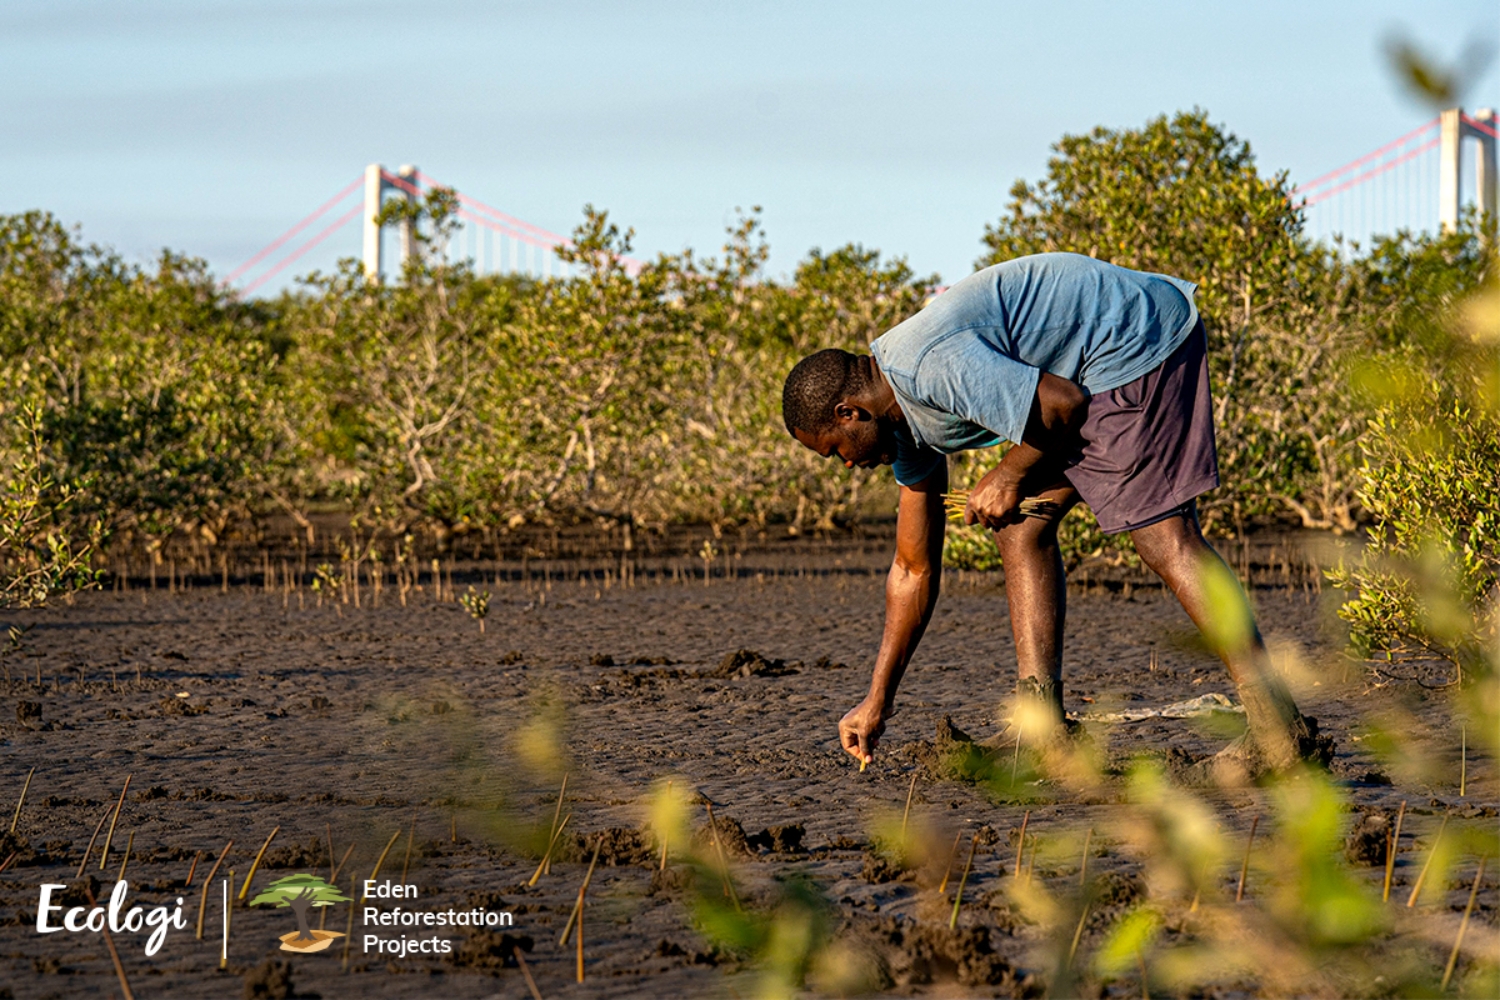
[236, 713]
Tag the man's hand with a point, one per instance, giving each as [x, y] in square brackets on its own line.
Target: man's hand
[996, 501]
[860, 730]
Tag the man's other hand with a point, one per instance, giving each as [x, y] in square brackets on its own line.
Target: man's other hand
[860, 730]
[995, 502]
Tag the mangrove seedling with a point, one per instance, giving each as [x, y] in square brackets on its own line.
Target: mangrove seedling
[477, 604]
[957, 501]
[325, 581]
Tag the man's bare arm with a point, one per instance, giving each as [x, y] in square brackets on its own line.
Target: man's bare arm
[911, 592]
[1058, 411]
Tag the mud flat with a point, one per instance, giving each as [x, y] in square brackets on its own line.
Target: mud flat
[233, 714]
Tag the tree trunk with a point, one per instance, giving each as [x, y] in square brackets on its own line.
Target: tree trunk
[300, 908]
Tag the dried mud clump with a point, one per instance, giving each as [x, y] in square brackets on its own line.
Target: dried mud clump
[917, 954]
[878, 868]
[952, 755]
[1314, 747]
[731, 837]
[670, 881]
[636, 680]
[78, 891]
[1366, 842]
[618, 846]
[1115, 888]
[484, 899]
[270, 980]
[489, 950]
[310, 855]
[749, 663]
[1110, 894]
[14, 843]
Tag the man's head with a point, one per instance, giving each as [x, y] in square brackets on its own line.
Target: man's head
[835, 403]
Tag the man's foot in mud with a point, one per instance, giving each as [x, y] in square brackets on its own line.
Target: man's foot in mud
[1244, 761]
[1039, 722]
[1068, 733]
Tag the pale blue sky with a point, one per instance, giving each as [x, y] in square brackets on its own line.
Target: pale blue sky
[210, 127]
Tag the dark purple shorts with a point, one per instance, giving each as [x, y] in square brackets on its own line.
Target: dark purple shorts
[1149, 445]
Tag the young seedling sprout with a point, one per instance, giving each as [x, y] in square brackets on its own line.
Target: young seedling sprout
[203, 902]
[713, 829]
[547, 857]
[525, 971]
[1463, 761]
[576, 917]
[1392, 848]
[1239, 892]
[1462, 926]
[381, 860]
[556, 818]
[114, 954]
[477, 604]
[1021, 842]
[411, 837]
[129, 843]
[952, 857]
[906, 813]
[349, 926]
[1416, 888]
[104, 854]
[958, 897]
[21, 801]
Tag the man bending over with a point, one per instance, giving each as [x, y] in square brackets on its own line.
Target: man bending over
[1098, 376]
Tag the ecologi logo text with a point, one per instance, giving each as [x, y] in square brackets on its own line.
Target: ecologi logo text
[302, 893]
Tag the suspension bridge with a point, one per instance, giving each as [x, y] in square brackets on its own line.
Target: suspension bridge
[1416, 182]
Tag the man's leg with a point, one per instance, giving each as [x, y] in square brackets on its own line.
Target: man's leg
[1036, 591]
[1178, 553]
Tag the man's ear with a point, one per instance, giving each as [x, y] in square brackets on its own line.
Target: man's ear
[845, 412]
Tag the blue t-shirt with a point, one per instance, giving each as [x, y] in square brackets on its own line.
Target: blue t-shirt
[965, 368]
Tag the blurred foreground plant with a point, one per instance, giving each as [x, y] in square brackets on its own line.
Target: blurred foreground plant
[1426, 589]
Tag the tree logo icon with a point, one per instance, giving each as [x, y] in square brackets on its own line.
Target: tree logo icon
[302, 893]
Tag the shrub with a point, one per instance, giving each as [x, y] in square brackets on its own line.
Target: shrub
[1427, 586]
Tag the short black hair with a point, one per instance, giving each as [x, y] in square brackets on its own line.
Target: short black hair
[816, 384]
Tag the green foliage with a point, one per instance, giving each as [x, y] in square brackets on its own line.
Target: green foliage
[152, 388]
[1427, 584]
[637, 397]
[314, 890]
[39, 556]
[1316, 898]
[1180, 196]
[783, 939]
